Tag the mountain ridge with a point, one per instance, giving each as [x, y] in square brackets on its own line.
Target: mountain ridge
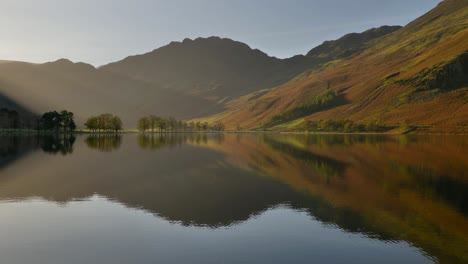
[351, 43]
[212, 67]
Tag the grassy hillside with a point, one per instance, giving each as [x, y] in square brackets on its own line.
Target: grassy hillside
[416, 74]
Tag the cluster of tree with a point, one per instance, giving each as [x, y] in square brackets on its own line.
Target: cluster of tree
[62, 121]
[104, 123]
[55, 121]
[320, 102]
[343, 126]
[155, 124]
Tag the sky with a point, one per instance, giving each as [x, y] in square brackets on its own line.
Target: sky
[103, 31]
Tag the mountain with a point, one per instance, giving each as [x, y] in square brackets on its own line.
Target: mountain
[416, 74]
[214, 68]
[222, 69]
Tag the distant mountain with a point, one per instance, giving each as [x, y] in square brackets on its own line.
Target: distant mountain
[416, 75]
[214, 68]
[87, 91]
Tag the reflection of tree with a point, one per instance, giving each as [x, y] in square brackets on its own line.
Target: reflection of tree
[104, 142]
[157, 141]
[201, 139]
[54, 144]
[204, 139]
[8, 145]
[343, 140]
[11, 146]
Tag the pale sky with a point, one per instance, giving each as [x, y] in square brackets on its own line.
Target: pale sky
[103, 31]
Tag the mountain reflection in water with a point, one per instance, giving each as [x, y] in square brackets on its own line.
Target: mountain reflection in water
[389, 188]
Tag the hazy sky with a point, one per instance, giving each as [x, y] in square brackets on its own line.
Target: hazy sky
[102, 31]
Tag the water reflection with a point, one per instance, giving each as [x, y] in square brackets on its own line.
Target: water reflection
[14, 145]
[104, 142]
[157, 141]
[388, 188]
[54, 144]
[323, 166]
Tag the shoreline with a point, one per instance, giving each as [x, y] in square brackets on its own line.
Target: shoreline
[413, 131]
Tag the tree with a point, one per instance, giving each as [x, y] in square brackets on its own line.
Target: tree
[13, 116]
[51, 121]
[4, 118]
[198, 126]
[218, 126]
[161, 124]
[143, 124]
[116, 124]
[374, 125]
[66, 121]
[191, 126]
[205, 126]
[92, 123]
[104, 122]
[154, 121]
[72, 125]
[173, 124]
[180, 125]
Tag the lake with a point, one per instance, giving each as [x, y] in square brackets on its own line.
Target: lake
[234, 199]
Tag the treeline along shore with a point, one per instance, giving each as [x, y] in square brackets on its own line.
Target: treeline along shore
[63, 122]
[12, 121]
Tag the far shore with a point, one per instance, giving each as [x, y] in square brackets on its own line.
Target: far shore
[396, 131]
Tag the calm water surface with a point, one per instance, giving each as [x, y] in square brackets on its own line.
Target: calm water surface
[234, 199]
